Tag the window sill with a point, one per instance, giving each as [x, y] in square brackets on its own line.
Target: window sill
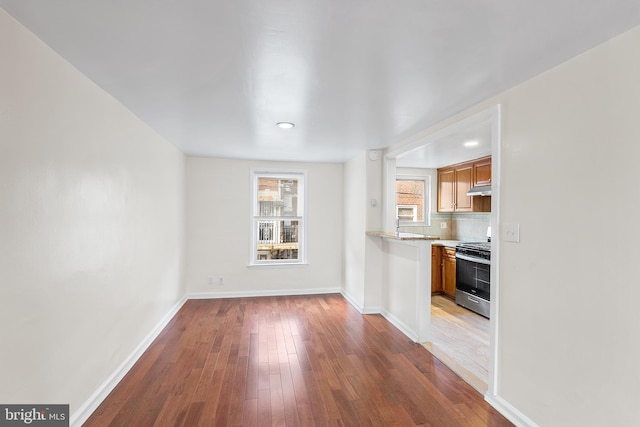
[279, 265]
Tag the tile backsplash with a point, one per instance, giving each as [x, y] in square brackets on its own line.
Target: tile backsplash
[459, 226]
[470, 226]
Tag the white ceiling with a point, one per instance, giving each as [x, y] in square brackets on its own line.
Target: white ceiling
[448, 147]
[213, 77]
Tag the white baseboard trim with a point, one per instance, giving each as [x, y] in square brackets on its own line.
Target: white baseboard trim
[361, 309]
[372, 310]
[378, 310]
[400, 325]
[355, 304]
[272, 293]
[509, 411]
[84, 412]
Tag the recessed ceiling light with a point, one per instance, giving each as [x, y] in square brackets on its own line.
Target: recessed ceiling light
[285, 125]
[471, 143]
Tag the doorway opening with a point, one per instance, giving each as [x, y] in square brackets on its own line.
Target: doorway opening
[463, 340]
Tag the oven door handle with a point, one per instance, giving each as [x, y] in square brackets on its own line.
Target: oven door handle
[472, 259]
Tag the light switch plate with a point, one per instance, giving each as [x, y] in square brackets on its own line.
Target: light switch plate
[511, 232]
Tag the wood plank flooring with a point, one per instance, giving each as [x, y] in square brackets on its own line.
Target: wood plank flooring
[460, 339]
[289, 361]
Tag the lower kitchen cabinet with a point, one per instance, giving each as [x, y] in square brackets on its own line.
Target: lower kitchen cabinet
[443, 271]
[449, 272]
[436, 269]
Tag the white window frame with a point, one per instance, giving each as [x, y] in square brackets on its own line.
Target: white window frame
[426, 199]
[301, 177]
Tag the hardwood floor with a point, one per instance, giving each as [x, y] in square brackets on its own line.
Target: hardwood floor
[460, 339]
[289, 361]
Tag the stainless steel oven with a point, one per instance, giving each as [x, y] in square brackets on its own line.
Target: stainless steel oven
[473, 276]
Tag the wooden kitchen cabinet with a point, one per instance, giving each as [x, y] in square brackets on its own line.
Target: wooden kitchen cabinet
[455, 181]
[464, 182]
[449, 272]
[436, 269]
[482, 172]
[443, 271]
[446, 190]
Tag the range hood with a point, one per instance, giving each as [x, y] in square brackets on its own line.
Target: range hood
[481, 190]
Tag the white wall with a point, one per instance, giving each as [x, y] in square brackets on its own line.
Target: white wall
[355, 191]
[568, 323]
[362, 260]
[406, 285]
[570, 156]
[373, 260]
[218, 230]
[91, 227]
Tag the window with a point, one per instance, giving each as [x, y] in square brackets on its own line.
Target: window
[278, 218]
[407, 213]
[411, 200]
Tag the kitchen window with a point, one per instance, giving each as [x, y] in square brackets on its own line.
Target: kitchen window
[278, 218]
[412, 205]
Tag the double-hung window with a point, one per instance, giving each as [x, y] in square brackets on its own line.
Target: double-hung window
[278, 220]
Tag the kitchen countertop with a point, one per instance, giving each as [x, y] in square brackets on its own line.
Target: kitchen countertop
[447, 243]
[436, 241]
[401, 235]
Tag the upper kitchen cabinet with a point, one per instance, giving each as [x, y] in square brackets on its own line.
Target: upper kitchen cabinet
[455, 181]
[464, 182]
[446, 189]
[482, 172]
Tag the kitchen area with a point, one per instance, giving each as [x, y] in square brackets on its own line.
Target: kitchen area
[460, 260]
[453, 176]
[428, 270]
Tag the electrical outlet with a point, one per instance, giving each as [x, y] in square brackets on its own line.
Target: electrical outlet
[220, 281]
[443, 224]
